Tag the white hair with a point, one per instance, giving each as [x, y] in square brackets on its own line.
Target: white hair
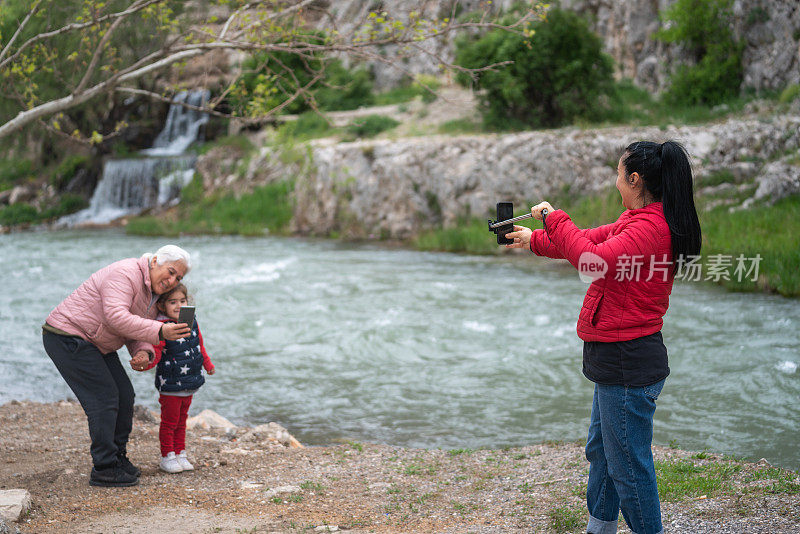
[170, 253]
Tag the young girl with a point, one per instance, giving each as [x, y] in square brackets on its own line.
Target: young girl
[620, 321]
[178, 377]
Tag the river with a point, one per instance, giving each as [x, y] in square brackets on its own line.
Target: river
[369, 343]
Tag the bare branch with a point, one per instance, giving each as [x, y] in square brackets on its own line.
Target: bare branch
[77, 26]
[168, 100]
[31, 13]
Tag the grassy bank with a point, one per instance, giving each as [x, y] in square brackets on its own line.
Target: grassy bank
[768, 231]
[268, 209]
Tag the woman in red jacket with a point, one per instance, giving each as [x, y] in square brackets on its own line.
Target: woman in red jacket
[631, 264]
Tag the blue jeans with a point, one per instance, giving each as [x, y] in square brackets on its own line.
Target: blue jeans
[621, 471]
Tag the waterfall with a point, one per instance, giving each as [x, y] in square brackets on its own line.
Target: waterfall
[129, 186]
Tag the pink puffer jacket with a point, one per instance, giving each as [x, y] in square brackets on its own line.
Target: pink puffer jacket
[114, 307]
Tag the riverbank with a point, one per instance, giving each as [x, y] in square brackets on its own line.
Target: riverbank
[245, 485]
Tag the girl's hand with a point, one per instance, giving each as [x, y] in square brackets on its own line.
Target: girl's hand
[521, 236]
[212, 371]
[140, 360]
[173, 331]
[536, 211]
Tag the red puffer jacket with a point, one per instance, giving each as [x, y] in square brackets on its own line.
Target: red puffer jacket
[631, 298]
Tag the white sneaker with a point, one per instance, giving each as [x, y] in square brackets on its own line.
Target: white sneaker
[184, 461]
[170, 464]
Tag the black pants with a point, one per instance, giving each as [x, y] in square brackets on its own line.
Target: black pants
[103, 389]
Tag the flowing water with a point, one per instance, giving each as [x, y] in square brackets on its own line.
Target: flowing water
[156, 176]
[362, 342]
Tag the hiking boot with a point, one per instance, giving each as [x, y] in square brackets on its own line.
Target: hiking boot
[184, 462]
[128, 467]
[169, 463]
[112, 477]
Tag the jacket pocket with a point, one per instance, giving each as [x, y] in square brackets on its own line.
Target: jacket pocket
[589, 309]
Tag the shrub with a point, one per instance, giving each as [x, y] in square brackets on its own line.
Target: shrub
[13, 170]
[66, 204]
[19, 213]
[65, 170]
[308, 125]
[703, 28]
[790, 94]
[371, 125]
[558, 75]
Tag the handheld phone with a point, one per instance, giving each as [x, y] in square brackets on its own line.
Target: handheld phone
[186, 315]
[505, 211]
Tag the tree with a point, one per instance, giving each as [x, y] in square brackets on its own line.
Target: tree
[558, 74]
[704, 29]
[58, 55]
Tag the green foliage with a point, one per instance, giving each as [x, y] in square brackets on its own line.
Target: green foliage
[704, 29]
[790, 94]
[371, 125]
[12, 171]
[272, 78]
[66, 204]
[240, 143]
[558, 75]
[19, 213]
[682, 479]
[53, 67]
[422, 86]
[783, 481]
[266, 209]
[307, 126]
[65, 170]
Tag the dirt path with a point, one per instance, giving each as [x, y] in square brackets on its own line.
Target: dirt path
[243, 485]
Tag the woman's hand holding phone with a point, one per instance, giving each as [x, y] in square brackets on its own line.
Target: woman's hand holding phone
[173, 331]
[521, 236]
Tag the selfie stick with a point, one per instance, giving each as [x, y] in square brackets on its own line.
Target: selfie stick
[492, 226]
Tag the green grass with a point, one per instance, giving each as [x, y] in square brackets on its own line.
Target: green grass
[682, 479]
[268, 209]
[781, 480]
[567, 518]
[768, 231]
[239, 142]
[637, 107]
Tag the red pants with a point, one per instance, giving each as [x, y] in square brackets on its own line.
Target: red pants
[172, 433]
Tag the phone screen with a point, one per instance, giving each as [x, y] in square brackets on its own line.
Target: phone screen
[186, 315]
[505, 211]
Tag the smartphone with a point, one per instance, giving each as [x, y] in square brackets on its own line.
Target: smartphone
[505, 211]
[186, 315]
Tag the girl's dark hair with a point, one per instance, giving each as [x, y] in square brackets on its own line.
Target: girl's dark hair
[667, 175]
[163, 297]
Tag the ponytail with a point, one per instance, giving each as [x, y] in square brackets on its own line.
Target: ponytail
[678, 201]
[667, 175]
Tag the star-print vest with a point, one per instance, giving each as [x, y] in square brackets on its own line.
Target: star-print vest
[181, 365]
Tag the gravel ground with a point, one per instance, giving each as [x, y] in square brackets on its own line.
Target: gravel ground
[243, 485]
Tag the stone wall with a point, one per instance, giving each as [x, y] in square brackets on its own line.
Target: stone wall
[396, 188]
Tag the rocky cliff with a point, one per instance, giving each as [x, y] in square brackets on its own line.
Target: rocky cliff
[770, 29]
[396, 188]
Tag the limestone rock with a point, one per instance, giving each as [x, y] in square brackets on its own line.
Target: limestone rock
[5, 528]
[14, 503]
[21, 193]
[208, 419]
[271, 433]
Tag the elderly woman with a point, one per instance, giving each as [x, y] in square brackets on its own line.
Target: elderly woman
[114, 307]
